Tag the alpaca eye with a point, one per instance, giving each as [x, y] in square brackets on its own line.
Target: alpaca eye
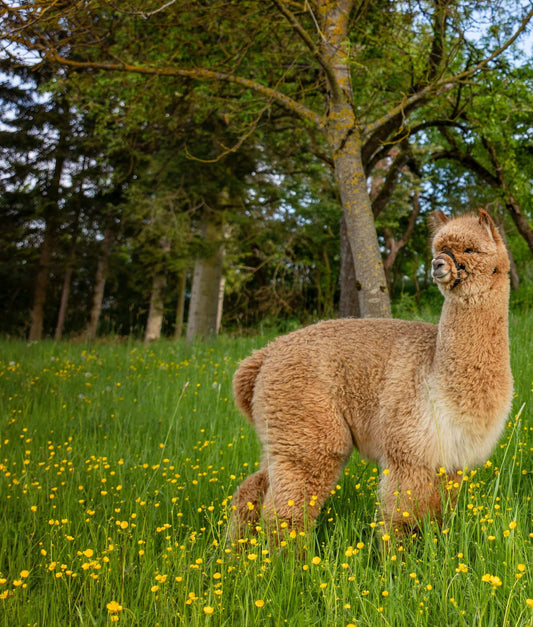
[468, 250]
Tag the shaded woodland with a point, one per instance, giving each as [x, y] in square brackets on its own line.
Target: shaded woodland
[174, 168]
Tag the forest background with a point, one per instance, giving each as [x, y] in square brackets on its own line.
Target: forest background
[190, 165]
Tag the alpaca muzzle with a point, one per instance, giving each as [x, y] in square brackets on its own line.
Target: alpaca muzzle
[442, 270]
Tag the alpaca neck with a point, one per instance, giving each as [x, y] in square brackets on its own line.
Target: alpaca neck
[472, 353]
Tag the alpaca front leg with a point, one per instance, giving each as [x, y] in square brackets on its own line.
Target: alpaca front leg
[409, 494]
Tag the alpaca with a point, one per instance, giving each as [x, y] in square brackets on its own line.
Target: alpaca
[413, 396]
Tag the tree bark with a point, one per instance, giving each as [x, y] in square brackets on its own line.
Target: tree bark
[180, 309]
[65, 292]
[344, 137]
[50, 213]
[154, 323]
[99, 284]
[205, 308]
[520, 221]
[349, 299]
[41, 284]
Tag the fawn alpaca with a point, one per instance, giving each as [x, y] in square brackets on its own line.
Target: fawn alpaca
[413, 396]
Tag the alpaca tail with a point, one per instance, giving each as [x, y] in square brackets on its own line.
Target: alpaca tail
[244, 382]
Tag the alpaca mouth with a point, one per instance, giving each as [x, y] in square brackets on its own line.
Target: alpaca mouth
[442, 275]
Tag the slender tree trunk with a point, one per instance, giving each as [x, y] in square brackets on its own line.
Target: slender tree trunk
[512, 205]
[394, 245]
[345, 141]
[349, 299]
[65, 292]
[41, 283]
[205, 308]
[520, 221]
[180, 309]
[154, 323]
[99, 284]
[50, 213]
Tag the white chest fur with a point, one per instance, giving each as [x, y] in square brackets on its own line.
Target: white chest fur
[455, 440]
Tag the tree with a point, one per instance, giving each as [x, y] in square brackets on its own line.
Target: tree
[402, 58]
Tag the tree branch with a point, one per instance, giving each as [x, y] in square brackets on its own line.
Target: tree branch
[468, 162]
[391, 180]
[198, 74]
[313, 48]
[443, 85]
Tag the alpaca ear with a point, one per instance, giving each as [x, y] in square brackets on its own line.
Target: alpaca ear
[437, 220]
[486, 221]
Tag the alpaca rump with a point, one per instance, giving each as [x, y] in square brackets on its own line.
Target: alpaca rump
[413, 396]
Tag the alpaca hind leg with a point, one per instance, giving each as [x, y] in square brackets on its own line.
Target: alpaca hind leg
[297, 490]
[246, 503]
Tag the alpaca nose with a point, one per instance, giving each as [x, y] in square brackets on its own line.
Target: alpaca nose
[440, 268]
[438, 264]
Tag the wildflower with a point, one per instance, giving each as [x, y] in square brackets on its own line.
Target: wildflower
[492, 579]
[461, 568]
[26, 573]
[113, 607]
[208, 609]
[529, 603]
[259, 603]
[316, 560]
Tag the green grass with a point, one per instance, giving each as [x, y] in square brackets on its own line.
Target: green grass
[116, 464]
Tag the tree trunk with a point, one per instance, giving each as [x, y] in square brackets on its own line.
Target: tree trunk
[50, 212]
[65, 292]
[180, 309]
[157, 308]
[520, 221]
[41, 283]
[99, 284]
[205, 309]
[344, 138]
[349, 299]
[395, 245]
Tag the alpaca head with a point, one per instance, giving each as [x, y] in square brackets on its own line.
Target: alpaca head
[469, 256]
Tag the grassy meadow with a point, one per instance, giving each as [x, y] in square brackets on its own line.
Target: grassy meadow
[117, 464]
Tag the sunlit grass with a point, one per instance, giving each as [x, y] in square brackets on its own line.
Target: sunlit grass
[117, 464]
